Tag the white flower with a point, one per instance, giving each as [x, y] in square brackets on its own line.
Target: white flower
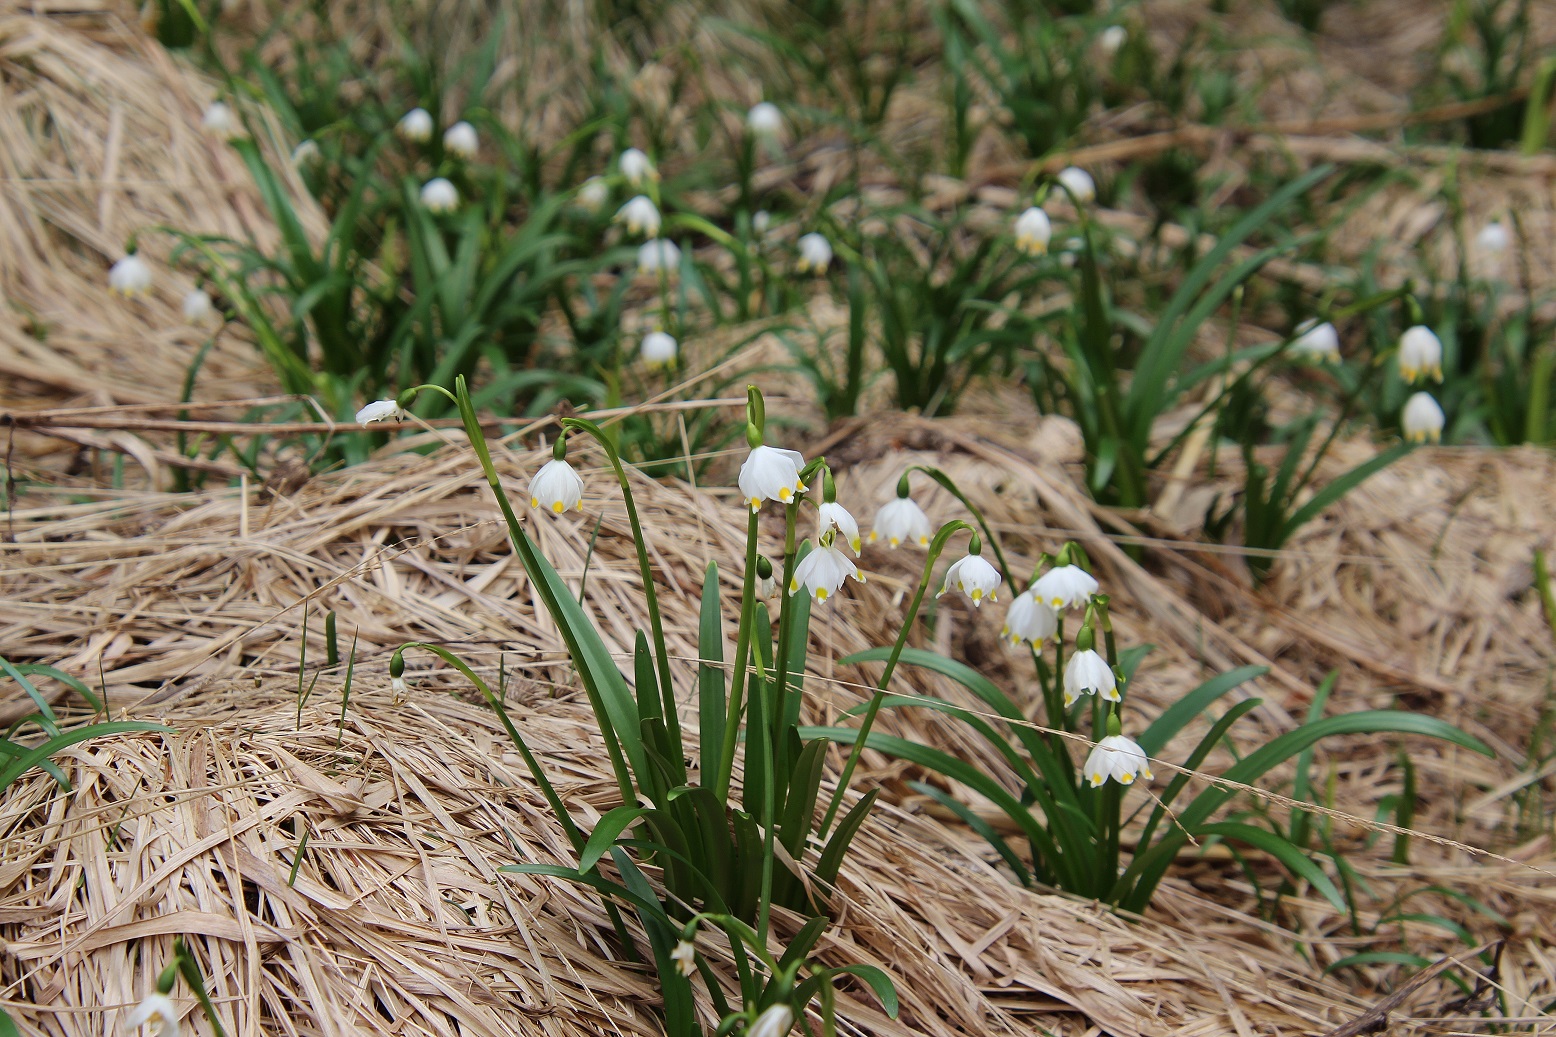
[1033, 232]
[462, 140]
[776, 1021]
[1494, 237]
[1029, 621]
[1079, 183]
[1118, 758]
[306, 154]
[636, 167]
[220, 121]
[823, 571]
[659, 349]
[380, 410]
[685, 958]
[815, 254]
[659, 254]
[835, 516]
[1423, 419]
[415, 126]
[398, 690]
[130, 277]
[438, 195]
[901, 521]
[766, 586]
[974, 577]
[1420, 354]
[771, 473]
[1064, 587]
[557, 487]
[1111, 39]
[159, 1009]
[641, 216]
[760, 221]
[197, 307]
[1088, 673]
[1316, 340]
[593, 192]
[765, 120]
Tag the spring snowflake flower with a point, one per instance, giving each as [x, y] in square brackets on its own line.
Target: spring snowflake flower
[1494, 237]
[380, 410]
[685, 958]
[461, 139]
[823, 571]
[1088, 673]
[1423, 419]
[159, 1009]
[659, 349]
[658, 254]
[1319, 341]
[438, 195]
[306, 154]
[1033, 231]
[1079, 183]
[771, 473]
[760, 221]
[835, 516]
[593, 193]
[1111, 40]
[900, 521]
[130, 277]
[1420, 354]
[776, 1021]
[641, 216]
[765, 120]
[398, 690]
[556, 487]
[974, 577]
[1118, 758]
[220, 121]
[815, 254]
[197, 307]
[636, 167]
[1029, 621]
[766, 586]
[415, 126]
[1064, 587]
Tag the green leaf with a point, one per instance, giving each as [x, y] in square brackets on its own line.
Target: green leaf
[1294, 858]
[837, 847]
[606, 832]
[1191, 706]
[971, 819]
[711, 687]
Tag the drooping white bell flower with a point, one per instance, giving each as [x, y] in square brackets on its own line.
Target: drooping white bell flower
[823, 571]
[415, 126]
[641, 216]
[1319, 341]
[198, 307]
[764, 120]
[593, 193]
[1111, 39]
[462, 140]
[1065, 587]
[834, 516]
[130, 277]
[636, 167]
[659, 349]
[815, 254]
[760, 221]
[220, 121]
[159, 1009]
[398, 690]
[1422, 419]
[1033, 232]
[776, 1021]
[974, 577]
[1118, 758]
[1088, 673]
[1029, 621]
[556, 487]
[380, 410]
[766, 586]
[901, 521]
[771, 473]
[1420, 354]
[658, 254]
[685, 957]
[1494, 237]
[1079, 183]
[438, 195]
[306, 154]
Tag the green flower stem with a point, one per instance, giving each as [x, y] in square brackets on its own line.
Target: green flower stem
[781, 663]
[651, 597]
[726, 762]
[935, 547]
